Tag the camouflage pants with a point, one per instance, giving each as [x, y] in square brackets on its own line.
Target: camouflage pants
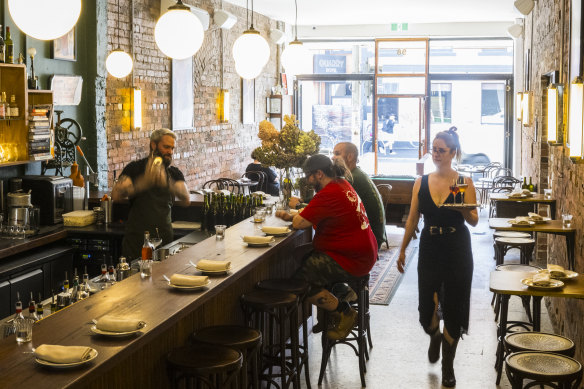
[321, 272]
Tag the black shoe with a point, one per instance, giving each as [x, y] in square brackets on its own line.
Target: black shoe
[448, 353]
[435, 342]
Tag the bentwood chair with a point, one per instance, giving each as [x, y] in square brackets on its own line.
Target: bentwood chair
[260, 177]
[230, 184]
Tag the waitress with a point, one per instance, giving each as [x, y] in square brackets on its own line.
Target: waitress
[151, 185]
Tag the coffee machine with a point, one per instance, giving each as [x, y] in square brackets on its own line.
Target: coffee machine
[52, 194]
[19, 212]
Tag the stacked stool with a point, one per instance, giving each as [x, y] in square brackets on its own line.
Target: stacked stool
[243, 339]
[214, 367]
[275, 315]
[300, 289]
[357, 336]
[543, 368]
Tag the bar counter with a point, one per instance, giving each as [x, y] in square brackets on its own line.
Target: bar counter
[171, 315]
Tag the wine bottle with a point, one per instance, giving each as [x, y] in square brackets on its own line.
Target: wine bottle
[530, 186]
[2, 46]
[204, 218]
[524, 185]
[146, 262]
[9, 51]
[32, 315]
[40, 309]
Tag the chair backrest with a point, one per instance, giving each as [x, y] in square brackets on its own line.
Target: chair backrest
[230, 184]
[213, 184]
[385, 191]
[260, 177]
[505, 181]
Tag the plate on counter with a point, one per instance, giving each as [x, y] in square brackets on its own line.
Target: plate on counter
[278, 234]
[461, 206]
[112, 334]
[189, 288]
[214, 272]
[257, 244]
[92, 355]
[553, 284]
[569, 274]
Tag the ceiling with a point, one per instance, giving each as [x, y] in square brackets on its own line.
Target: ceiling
[363, 12]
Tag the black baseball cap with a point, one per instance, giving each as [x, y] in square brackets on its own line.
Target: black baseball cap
[316, 162]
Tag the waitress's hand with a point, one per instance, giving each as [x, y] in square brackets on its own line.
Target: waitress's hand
[401, 261]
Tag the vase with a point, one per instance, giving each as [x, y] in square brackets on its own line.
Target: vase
[286, 186]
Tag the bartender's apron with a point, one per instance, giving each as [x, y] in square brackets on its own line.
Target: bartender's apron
[148, 211]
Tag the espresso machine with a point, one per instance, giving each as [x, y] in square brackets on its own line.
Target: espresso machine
[19, 212]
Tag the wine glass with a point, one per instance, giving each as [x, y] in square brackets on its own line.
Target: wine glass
[454, 190]
[156, 240]
[462, 185]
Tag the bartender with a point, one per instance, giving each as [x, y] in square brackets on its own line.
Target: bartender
[151, 185]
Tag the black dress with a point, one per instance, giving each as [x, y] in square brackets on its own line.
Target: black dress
[445, 264]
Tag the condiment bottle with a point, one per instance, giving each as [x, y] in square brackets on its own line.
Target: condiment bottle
[76, 175]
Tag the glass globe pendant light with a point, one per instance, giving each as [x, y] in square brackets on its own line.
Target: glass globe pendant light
[296, 58]
[179, 33]
[119, 63]
[251, 52]
[45, 20]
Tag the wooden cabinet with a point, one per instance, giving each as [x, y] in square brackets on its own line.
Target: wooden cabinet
[277, 106]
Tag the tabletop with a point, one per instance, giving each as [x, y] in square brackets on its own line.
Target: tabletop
[536, 198]
[553, 226]
[509, 282]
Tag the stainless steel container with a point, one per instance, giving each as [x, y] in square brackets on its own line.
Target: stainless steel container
[18, 216]
[123, 270]
[161, 254]
[19, 199]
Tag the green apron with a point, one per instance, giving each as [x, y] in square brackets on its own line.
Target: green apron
[148, 211]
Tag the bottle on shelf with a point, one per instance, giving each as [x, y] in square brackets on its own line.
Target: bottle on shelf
[32, 315]
[66, 283]
[13, 110]
[530, 186]
[3, 106]
[22, 325]
[524, 185]
[146, 261]
[9, 51]
[2, 46]
[76, 176]
[75, 288]
[40, 309]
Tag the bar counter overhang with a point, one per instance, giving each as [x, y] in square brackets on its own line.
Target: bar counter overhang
[171, 316]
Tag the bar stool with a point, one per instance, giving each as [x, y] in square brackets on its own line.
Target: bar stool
[275, 314]
[543, 368]
[503, 245]
[357, 336]
[539, 341]
[216, 367]
[299, 288]
[243, 339]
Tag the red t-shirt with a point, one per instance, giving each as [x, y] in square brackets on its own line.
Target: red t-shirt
[342, 227]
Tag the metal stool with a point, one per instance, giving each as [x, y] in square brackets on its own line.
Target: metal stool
[299, 288]
[539, 341]
[216, 367]
[525, 246]
[543, 368]
[357, 336]
[243, 339]
[511, 234]
[275, 314]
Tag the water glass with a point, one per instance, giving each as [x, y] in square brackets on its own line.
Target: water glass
[566, 220]
[259, 216]
[23, 330]
[145, 268]
[269, 209]
[547, 193]
[220, 231]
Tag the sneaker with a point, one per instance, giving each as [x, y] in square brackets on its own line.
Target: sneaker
[344, 293]
[344, 325]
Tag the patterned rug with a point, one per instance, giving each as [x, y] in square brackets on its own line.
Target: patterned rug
[385, 278]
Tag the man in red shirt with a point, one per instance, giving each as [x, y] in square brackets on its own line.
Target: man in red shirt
[344, 245]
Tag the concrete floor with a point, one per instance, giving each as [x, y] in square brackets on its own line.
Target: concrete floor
[399, 359]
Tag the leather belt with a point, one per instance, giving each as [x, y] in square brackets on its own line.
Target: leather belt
[436, 230]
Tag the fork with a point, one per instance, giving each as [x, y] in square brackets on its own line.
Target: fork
[166, 278]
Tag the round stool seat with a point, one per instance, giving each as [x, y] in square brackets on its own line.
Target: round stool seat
[204, 359]
[290, 285]
[544, 365]
[539, 341]
[511, 234]
[237, 337]
[515, 241]
[269, 299]
[516, 267]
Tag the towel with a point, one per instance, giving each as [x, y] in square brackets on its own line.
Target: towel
[258, 239]
[275, 230]
[118, 324]
[541, 278]
[206, 264]
[183, 280]
[556, 271]
[62, 354]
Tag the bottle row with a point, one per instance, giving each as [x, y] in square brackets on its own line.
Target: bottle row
[8, 110]
[6, 47]
[227, 209]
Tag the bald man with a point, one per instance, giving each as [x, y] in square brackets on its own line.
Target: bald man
[365, 188]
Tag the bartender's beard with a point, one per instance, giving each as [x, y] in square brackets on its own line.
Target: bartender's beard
[167, 160]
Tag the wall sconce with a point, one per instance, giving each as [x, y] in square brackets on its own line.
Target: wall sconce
[516, 30]
[519, 105]
[575, 119]
[526, 110]
[137, 108]
[524, 6]
[555, 109]
[224, 106]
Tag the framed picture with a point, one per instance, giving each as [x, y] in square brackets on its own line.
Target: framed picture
[576, 39]
[65, 47]
[182, 94]
[247, 101]
[66, 89]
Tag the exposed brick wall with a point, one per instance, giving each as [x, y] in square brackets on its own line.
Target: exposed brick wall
[550, 51]
[211, 149]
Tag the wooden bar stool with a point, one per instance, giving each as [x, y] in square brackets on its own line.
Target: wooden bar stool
[543, 368]
[357, 340]
[243, 339]
[503, 245]
[299, 288]
[275, 314]
[215, 367]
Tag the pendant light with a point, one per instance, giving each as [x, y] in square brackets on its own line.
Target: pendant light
[251, 52]
[119, 63]
[179, 33]
[45, 20]
[296, 58]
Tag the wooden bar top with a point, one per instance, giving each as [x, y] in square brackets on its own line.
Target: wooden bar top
[553, 226]
[509, 282]
[150, 300]
[536, 198]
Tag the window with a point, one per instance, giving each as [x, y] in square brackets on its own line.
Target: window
[441, 103]
[492, 103]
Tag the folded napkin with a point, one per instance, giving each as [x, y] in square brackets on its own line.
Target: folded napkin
[520, 220]
[183, 280]
[259, 193]
[526, 192]
[275, 230]
[515, 194]
[117, 324]
[258, 239]
[206, 264]
[534, 216]
[541, 278]
[62, 354]
[556, 271]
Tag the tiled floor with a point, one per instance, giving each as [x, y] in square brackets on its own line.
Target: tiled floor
[399, 355]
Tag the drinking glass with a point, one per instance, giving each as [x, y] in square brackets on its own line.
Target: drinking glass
[453, 190]
[145, 268]
[547, 193]
[566, 220]
[462, 185]
[259, 216]
[220, 231]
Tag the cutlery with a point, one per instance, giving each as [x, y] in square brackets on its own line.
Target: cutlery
[166, 278]
[191, 262]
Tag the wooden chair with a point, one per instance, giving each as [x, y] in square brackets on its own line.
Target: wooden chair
[230, 184]
[260, 177]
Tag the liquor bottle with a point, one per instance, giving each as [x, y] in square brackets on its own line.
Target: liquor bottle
[2, 46]
[22, 326]
[53, 303]
[66, 283]
[9, 51]
[111, 271]
[146, 262]
[75, 288]
[530, 186]
[32, 315]
[13, 110]
[3, 106]
[40, 309]
[524, 185]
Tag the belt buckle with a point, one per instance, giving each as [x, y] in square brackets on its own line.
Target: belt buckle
[435, 230]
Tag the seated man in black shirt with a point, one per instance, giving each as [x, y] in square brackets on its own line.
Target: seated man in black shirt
[273, 185]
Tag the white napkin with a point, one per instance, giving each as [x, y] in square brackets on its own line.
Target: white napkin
[206, 264]
[526, 192]
[184, 280]
[556, 270]
[62, 354]
[117, 324]
[258, 239]
[541, 278]
[534, 216]
[521, 220]
[259, 193]
[275, 230]
[515, 194]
